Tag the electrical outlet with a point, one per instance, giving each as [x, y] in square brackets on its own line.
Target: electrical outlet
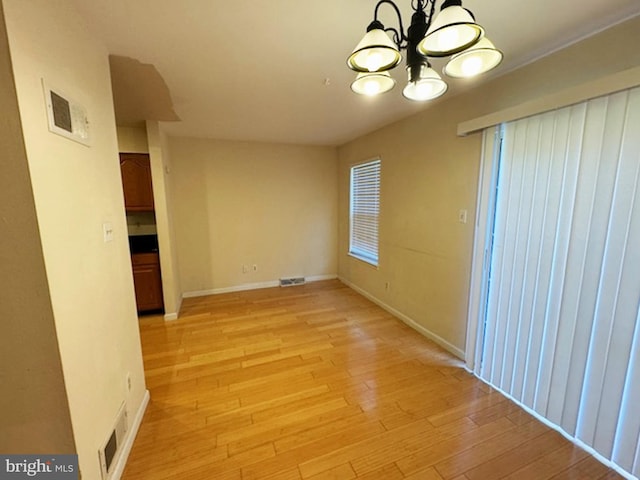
[255, 267]
[129, 381]
[462, 216]
[387, 286]
[245, 268]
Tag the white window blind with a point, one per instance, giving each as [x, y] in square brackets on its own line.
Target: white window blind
[365, 210]
[562, 332]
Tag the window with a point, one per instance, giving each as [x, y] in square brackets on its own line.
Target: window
[364, 212]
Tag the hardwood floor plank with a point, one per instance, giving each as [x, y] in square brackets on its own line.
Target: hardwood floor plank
[316, 447]
[379, 445]
[264, 432]
[341, 472]
[343, 425]
[459, 441]
[550, 464]
[318, 397]
[494, 412]
[388, 472]
[612, 475]
[317, 382]
[429, 473]
[291, 474]
[586, 469]
[493, 447]
[522, 455]
[467, 408]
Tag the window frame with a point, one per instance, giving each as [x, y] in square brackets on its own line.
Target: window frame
[365, 253]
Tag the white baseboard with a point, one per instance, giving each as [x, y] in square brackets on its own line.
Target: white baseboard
[408, 320]
[131, 436]
[174, 315]
[319, 278]
[236, 288]
[251, 286]
[559, 429]
[179, 305]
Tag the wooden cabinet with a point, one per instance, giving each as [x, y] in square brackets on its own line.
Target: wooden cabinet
[135, 169]
[147, 281]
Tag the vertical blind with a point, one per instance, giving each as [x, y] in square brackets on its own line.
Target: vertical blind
[562, 329]
[365, 210]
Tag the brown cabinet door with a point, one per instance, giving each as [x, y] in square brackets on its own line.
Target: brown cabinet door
[135, 169]
[147, 282]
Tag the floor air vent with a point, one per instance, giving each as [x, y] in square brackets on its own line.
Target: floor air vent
[290, 282]
[111, 449]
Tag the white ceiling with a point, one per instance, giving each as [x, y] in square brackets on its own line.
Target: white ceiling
[275, 71]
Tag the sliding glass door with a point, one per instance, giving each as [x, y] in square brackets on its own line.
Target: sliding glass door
[560, 330]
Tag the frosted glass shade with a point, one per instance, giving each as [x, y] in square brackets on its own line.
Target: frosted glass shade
[376, 52]
[372, 84]
[480, 58]
[452, 31]
[428, 86]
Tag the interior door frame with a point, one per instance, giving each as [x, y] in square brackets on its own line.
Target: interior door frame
[482, 246]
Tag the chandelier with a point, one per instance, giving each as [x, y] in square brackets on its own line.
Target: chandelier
[453, 32]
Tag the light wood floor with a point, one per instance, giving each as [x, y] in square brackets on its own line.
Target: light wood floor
[316, 382]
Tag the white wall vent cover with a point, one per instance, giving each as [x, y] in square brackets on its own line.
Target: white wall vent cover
[112, 446]
[290, 282]
[66, 116]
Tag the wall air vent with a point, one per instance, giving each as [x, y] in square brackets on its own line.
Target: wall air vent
[112, 446]
[66, 116]
[290, 282]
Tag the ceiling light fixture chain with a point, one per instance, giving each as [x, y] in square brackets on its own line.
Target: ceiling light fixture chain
[453, 32]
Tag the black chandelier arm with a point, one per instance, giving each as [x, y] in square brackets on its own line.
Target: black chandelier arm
[398, 37]
[432, 12]
[419, 5]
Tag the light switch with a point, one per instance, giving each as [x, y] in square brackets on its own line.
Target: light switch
[462, 216]
[107, 230]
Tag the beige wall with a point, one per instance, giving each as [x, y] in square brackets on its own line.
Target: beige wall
[77, 189]
[429, 174]
[238, 203]
[34, 413]
[132, 139]
[162, 194]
